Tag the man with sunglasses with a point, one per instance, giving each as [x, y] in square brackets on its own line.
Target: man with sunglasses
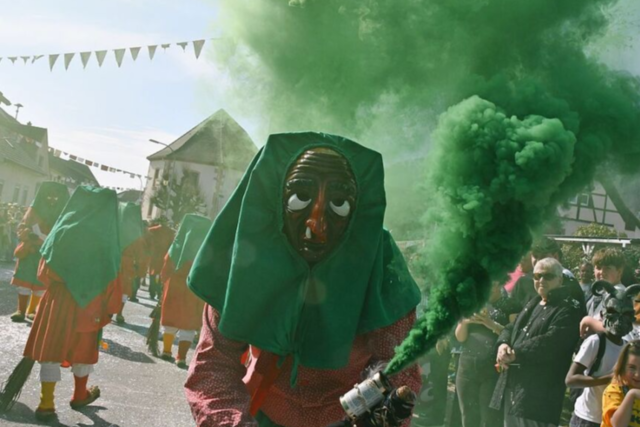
[534, 353]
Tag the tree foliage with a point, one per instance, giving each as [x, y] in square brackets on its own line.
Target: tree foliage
[178, 198]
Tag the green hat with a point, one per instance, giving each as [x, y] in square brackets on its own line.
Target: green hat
[193, 229]
[45, 211]
[131, 225]
[83, 247]
[268, 296]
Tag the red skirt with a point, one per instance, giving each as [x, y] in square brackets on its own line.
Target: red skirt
[181, 308]
[64, 332]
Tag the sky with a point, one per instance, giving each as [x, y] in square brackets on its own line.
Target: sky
[108, 114]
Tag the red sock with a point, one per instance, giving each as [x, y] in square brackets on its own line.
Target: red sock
[80, 392]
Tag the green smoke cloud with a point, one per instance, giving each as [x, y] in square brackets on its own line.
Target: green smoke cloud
[533, 116]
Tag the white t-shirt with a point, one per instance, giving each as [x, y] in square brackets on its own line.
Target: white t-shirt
[589, 404]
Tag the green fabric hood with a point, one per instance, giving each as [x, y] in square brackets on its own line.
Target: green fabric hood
[193, 229]
[83, 247]
[130, 222]
[46, 212]
[268, 296]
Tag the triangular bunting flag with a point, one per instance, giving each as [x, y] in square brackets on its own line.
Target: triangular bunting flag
[84, 57]
[67, 59]
[100, 55]
[165, 46]
[56, 153]
[12, 59]
[36, 57]
[25, 58]
[119, 55]
[134, 52]
[183, 45]
[96, 165]
[104, 168]
[0, 59]
[88, 162]
[197, 47]
[52, 61]
[152, 50]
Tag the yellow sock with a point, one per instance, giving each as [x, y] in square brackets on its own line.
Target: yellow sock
[46, 395]
[33, 304]
[167, 342]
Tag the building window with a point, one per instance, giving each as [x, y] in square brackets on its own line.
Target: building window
[16, 194]
[150, 210]
[25, 194]
[156, 175]
[190, 178]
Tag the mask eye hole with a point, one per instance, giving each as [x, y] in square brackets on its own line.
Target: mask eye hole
[340, 207]
[297, 202]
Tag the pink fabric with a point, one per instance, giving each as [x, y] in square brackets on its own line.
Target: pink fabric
[218, 396]
[513, 278]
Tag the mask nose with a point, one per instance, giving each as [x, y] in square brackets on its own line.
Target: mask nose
[317, 221]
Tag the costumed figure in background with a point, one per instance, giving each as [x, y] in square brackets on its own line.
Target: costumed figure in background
[298, 268]
[32, 231]
[79, 266]
[133, 249]
[159, 238]
[181, 308]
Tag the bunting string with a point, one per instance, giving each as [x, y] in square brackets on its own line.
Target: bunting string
[100, 166]
[100, 55]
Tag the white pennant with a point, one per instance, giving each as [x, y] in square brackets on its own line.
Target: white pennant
[152, 50]
[183, 45]
[68, 57]
[119, 55]
[36, 57]
[165, 46]
[52, 61]
[25, 58]
[0, 58]
[197, 47]
[84, 57]
[12, 59]
[134, 52]
[100, 55]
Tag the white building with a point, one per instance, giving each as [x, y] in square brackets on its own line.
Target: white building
[213, 156]
[600, 207]
[24, 161]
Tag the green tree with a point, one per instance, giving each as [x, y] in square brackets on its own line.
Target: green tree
[176, 199]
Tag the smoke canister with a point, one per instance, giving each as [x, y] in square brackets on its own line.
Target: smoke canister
[365, 395]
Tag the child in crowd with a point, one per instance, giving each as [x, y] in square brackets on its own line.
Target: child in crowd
[621, 398]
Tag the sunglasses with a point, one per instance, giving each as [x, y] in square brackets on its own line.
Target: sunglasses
[545, 276]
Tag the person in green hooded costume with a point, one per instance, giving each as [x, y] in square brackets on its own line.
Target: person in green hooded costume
[181, 309]
[302, 283]
[32, 231]
[134, 252]
[79, 267]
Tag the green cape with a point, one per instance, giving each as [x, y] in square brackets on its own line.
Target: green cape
[47, 213]
[193, 229]
[266, 293]
[130, 223]
[83, 247]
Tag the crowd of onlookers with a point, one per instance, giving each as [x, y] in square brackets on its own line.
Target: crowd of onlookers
[10, 216]
[548, 342]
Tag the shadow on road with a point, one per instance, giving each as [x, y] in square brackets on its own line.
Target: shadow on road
[91, 412]
[123, 352]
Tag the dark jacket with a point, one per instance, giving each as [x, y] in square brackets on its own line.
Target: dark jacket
[543, 354]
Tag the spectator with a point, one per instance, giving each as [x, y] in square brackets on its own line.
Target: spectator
[621, 398]
[476, 377]
[592, 367]
[524, 289]
[524, 269]
[534, 353]
[608, 265]
[586, 279]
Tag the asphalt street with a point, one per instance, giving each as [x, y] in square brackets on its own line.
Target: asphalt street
[137, 388]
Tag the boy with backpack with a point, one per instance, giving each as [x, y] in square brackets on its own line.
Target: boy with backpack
[592, 367]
